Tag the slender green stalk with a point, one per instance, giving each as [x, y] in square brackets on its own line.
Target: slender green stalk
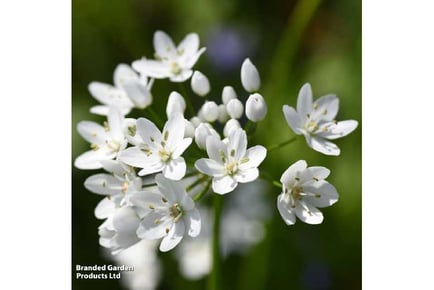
[200, 180]
[198, 196]
[149, 185]
[276, 183]
[214, 282]
[280, 145]
[187, 99]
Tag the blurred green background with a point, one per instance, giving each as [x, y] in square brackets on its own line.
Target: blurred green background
[290, 42]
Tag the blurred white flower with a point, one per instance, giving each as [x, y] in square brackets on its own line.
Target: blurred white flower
[106, 141]
[171, 213]
[235, 108]
[203, 131]
[209, 111]
[130, 90]
[250, 76]
[175, 104]
[304, 189]
[315, 120]
[231, 163]
[228, 94]
[171, 62]
[256, 108]
[200, 84]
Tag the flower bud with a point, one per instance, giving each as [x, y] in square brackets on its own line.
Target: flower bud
[203, 131]
[175, 103]
[223, 114]
[189, 129]
[249, 76]
[195, 121]
[228, 94]
[210, 111]
[256, 108]
[200, 84]
[235, 108]
[230, 125]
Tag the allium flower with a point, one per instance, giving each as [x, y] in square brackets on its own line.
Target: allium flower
[231, 163]
[118, 232]
[315, 120]
[115, 186]
[130, 90]
[159, 151]
[106, 141]
[171, 213]
[250, 76]
[171, 62]
[304, 189]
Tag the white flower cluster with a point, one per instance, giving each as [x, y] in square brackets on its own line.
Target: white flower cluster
[154, 177]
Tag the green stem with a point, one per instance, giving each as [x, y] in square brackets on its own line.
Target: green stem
[214, 277]
[198, 196]
[149, 185]
[276, 183]
[280, 145]
[196, 183]
[187, 99]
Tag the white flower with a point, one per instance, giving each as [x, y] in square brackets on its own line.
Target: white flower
[189, 129]
[231, 163]
[304, 189]
[115, 186]
[315, 120]
[256, 108]
[129, 91]
[203, 131]
[229, 126]
[195, 121]
[200, 84]
[118, 232]
[235, 108]
[209, 111]
[159, 151]
[250, 77]
[172, 213]
[171, 62]
[228, 94]
[106, 141]
[223, 114]
[175, 104]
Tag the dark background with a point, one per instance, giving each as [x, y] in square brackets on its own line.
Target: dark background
[290, 42]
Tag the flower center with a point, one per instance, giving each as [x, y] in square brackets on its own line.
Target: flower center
[176, 70]
[165, 156]
[175, 212]
[231, 168]
[113, 145]
[312, 126]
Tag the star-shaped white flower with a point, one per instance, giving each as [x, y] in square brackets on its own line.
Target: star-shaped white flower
[115, 186]
[231, 163]
[171, 213]
[159, 151]
[315, 120]
[106, 141]
[171, 62]
[130, 90]
[304, 189]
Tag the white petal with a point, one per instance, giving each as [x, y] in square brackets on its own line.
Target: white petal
[91, 159]
[326, 195]
[122, 74]
[109, 95]
[209, 167]
[188, 46]
[105, 208]
[214, 148]
[189, 62]
[237, 144]
[288, 177]
[250, 77]
[248, 175]
[184, 199]
[338, 130]
[125, 220]
[104, 184]
[154, 226]
[168, 188]
[175, 169]
[138, 93]
[184, 75]
[173, 131]
[151, 168]
[116, 122]
[323, 146]
[134, 156]
[173, 238]
[181, 147]
[304, 100]
[92, 132]
[319, 172]
[193, 222]
[103, 110]
[254, 156]
[326, 108]
[286, 213]
[148, 200]
[293, 119]
[308, 213]
[163, 45]
[224, 184]
[175, 103]
[148, 131]
[152, 68]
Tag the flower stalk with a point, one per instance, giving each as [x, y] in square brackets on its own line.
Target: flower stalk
[215, 275]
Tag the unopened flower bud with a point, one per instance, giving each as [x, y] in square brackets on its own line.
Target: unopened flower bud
[228, 94]
[230, 125]
[256, 108]
[250, 77]
[235, 108]
[210, 111]
[195, 121]
[203, 131]
[175, 103]
[223, 114]
[200, 84]
[189, 129]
